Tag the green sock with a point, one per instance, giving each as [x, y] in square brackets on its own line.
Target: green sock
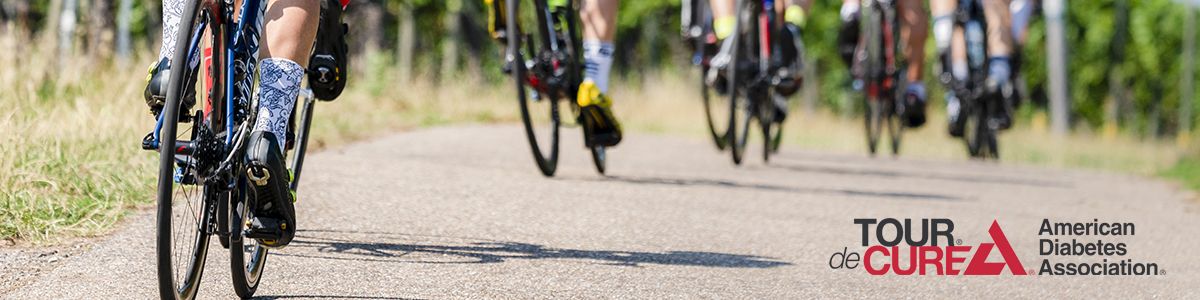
[723, 26]
[795, 15]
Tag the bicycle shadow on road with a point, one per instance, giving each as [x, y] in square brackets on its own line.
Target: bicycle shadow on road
[428, 249]
[896, 174]
[647, 180]
[328, 297]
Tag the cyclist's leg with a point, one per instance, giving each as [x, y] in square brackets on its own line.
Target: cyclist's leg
[914, 29]
[1000, 53]
[599, 28]
[723, 19]
[1000, 40]
[795, 12]
[724, 22]
[848, 30]
[155, 93]
[951, 61]
[1022, 14]
[291, 27]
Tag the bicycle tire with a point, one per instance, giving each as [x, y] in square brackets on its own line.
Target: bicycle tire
[245, 274]
[168, 162]
[873, 47]
[600, 158]
[720, 136]
[547, 163]
[739, 128]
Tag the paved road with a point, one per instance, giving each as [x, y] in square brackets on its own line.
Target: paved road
[460, 212]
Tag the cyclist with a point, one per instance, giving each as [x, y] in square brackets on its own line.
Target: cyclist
[291, 27]
[599, 28]
[1007, 21]
[913, 31]
[794, 15]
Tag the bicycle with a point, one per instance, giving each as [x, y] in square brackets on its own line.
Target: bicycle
[879, 72]
[697, 30]
[756, 73]
[978, 106]
[546, 68]
[202, 181]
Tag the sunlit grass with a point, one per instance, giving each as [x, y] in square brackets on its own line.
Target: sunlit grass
[71, 165]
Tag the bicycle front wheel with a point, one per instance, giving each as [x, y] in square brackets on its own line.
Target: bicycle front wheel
[539, 112]
[183, 201]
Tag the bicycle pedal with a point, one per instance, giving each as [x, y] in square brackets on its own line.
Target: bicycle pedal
[265, 229]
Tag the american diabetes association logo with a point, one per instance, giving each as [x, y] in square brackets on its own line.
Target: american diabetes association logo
[927, 247]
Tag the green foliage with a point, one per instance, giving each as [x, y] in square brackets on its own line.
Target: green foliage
[1151, 65]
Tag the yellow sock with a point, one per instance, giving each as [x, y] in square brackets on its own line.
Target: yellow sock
[723, 26]
[795, 15]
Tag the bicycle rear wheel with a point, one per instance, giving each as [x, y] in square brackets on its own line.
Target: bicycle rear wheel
[599, 158]
[744, 50]
[715, 112]
[247, 258]
[875, 114]
[184, 203]
[539, 112]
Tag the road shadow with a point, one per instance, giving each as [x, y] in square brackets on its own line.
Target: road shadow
[685, 182]
[328, 297]
[968, 178]
[428, 249]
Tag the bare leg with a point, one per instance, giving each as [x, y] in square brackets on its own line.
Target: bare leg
[291, 27]
[723, 20]
[599, 20]
[914, 28]
[599, 28]
[999, 20]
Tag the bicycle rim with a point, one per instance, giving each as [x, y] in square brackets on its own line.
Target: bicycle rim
[247, 258]
[182, 238]
[539, 113]
[600, 158]
[740, 107]
[973, 129]
[715, 113]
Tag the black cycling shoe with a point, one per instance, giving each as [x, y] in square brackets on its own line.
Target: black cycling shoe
[600, 127]
[847, 39]
[956, 122]
[913, 110]
[156, 91]
[1001, 89]
[274, 223]
[791, 76]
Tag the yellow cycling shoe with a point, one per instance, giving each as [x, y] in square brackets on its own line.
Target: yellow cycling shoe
[600, 127]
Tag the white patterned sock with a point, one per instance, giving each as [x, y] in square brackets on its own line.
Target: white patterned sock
[597, 62]
[278, 86]
[172, 11]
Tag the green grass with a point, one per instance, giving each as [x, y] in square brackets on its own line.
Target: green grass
[71, 165]
[1185, 171]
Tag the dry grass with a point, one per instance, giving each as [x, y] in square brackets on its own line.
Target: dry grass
[70, 164]
[671, 105]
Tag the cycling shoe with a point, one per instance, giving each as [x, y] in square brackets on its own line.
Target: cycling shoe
[156, 91]
[274, 223]
[600, 126]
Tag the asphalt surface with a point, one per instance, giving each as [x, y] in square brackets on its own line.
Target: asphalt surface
[461, 212]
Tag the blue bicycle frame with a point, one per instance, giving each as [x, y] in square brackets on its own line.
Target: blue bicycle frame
[240, 64]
